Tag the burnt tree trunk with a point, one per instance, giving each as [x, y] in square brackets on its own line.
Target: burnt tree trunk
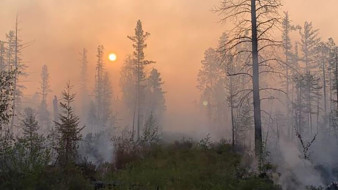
[255, 82]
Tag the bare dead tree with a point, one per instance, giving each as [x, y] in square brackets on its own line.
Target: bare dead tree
[254, 20]
[305, 146]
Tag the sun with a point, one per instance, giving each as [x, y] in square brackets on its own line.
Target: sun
[112, 57]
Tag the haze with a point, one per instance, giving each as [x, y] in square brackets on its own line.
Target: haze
[181, 30]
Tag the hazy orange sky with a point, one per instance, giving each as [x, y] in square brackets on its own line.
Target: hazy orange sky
[181, 30]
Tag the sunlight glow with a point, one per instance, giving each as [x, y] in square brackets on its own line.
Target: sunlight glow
[112, 57]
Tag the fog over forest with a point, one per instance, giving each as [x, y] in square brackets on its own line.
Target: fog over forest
[104, 90]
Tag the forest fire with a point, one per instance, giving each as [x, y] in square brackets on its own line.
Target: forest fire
[125, 94]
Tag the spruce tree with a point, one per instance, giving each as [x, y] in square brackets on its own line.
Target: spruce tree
[37, 154]
[44, 116]
[211, 84]
[100, 111]
[6, 96]
[309, 45]
[151, 130]
[156, 99]
[288, 65]
[68, 130]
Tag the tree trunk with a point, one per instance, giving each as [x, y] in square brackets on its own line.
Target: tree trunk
[336, 80]
[15, 75]
[232, 113]
[133, 129]
[324, 92]
[287, 98]
[255, 82]
[138, 96]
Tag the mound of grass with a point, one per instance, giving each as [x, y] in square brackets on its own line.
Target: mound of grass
[185, 165]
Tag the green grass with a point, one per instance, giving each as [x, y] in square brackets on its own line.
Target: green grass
[188, 166]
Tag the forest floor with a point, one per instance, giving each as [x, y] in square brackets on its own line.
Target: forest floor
[185, 165]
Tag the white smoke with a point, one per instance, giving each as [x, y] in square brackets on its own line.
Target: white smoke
[97, 148]
[298, 173]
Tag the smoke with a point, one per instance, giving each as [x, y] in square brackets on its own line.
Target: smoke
[298, 173]
[192, 123]
[97, 148]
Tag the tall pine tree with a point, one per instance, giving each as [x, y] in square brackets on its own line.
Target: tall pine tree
[139, 63]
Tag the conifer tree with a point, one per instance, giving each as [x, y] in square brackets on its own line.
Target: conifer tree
[107, 114]
[6, 135]
[140, 62]
[6, 96]
[333, 63]
[155, 96]
[68, 130]
[288, 64]
[128, 83]
[32, 141]
[151, 130]
[307, 90]
[100, 113]
[15, 65]
[84, 82]
[55, 108]
[211, 83]
[309, 45]
[44, 116]
[99, 77]
[2, 56]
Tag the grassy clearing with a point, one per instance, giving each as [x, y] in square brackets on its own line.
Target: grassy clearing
[185, 165]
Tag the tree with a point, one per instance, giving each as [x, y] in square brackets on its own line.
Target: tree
[323, 60]
[100, 113]
[333, 60]
[107, 116]
[99, 83]
[128, 84]
[2, 56]
[6, 111]
[52, 133]
[258, 17]
[68, 130]
[151, 131]
[128, 78]
[32, 141]
[309, 44]
[55, 108]
[211, 83]
[233, 84]
[30, 127]
[14, 63]
[45, 89]
[139, 63]
[84, 82]
[6, 95]
[330, 68]
[288, 63]
[308, 90]
[25, 157]
[237, 85]
[155, 94]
